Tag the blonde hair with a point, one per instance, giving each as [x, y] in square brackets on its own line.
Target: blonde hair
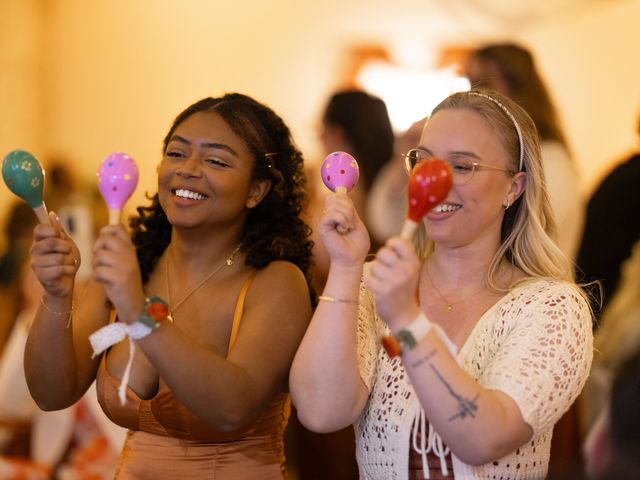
[528, 225]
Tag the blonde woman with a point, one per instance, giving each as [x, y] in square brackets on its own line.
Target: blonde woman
[495, 337]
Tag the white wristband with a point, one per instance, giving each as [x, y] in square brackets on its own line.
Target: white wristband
[408, 337]
[114, 333]
[411, 335]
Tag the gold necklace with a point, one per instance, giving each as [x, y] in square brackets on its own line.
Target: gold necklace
[228, 262]
[448, 306]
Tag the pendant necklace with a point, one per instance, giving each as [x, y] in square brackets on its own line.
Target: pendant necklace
[448, 306]
[228, 262]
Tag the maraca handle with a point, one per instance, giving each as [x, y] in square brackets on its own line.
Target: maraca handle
[42, 214]
[114, 216]
[408, 229]
[341, 229]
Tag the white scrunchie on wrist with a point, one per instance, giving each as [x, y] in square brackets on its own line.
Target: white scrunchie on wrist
[113, 333]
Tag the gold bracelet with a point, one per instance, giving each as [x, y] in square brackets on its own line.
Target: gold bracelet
[68, 312]
[49, 309]
[327, 298]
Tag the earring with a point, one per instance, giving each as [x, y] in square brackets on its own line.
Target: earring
[506, 207]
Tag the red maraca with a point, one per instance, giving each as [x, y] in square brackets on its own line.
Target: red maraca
[117, 179]
[429, 185]
[340, 173]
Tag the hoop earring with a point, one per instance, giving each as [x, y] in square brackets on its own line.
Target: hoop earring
[506, 207]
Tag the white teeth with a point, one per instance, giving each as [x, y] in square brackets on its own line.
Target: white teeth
[445, 207]
[181, 192]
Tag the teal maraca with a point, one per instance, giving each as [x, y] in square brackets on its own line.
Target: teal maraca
[24, 176]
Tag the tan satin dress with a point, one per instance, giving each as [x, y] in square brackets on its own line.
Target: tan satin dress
[166, 441]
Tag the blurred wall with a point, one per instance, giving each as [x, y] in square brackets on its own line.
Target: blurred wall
[592, 63]
[81, 79]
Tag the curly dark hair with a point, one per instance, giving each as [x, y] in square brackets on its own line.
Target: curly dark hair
[274, 229]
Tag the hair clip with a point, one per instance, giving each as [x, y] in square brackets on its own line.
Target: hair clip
[269, 155]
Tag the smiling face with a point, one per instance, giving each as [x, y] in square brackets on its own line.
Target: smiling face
[474, 211]
[205, 174]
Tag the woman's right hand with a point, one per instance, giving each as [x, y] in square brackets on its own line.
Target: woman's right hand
[55, 258]
[348, 248]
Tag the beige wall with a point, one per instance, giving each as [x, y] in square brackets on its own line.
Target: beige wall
[82, 79]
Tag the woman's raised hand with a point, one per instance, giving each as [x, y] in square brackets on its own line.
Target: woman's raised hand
[393, 280]
[115, 266]
[352, 245]
[55, 258]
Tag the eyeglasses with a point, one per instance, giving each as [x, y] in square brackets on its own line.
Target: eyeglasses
[462, 168]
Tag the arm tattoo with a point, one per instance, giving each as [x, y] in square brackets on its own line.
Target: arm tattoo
[424, 359]
[466, 406]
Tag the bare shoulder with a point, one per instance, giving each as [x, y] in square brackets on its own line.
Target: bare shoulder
[280, 274]
[279, 295]
[280, 282]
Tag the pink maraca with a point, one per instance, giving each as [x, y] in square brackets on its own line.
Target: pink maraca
[117, 179]
[340, 173]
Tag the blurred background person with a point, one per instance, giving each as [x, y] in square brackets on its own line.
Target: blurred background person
[612, 225]
[612, 450]
[17, 237]
[78, 440]
[14, 422]
[387, 202]
[617, 338]
[510, 69]
[67, 444]
[358, 123]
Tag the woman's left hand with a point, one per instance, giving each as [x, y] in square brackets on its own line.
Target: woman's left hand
[393, 280]
[115, 266]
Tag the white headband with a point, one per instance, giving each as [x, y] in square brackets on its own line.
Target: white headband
[513, 120]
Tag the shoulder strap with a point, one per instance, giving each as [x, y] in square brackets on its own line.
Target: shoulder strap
[237, 314]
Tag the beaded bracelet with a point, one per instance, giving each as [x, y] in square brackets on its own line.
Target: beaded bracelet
[155, 311]
[327, 298]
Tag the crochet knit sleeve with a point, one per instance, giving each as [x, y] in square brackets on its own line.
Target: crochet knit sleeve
[370, 329]
[546, 350]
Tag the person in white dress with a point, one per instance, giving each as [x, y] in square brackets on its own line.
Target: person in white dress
[494, 337]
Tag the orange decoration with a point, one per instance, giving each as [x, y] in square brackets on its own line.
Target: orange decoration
[391, 346]
[158, 311]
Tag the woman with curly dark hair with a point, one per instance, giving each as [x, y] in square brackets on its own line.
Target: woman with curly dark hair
[212, 286]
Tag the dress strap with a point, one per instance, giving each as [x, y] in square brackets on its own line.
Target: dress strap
[237, 314]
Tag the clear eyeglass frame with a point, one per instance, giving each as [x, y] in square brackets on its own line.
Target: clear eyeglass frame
[463, 168]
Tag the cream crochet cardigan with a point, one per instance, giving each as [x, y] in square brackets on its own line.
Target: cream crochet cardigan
[535, 344]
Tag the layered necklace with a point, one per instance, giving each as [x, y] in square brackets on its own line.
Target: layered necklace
[228, 262]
